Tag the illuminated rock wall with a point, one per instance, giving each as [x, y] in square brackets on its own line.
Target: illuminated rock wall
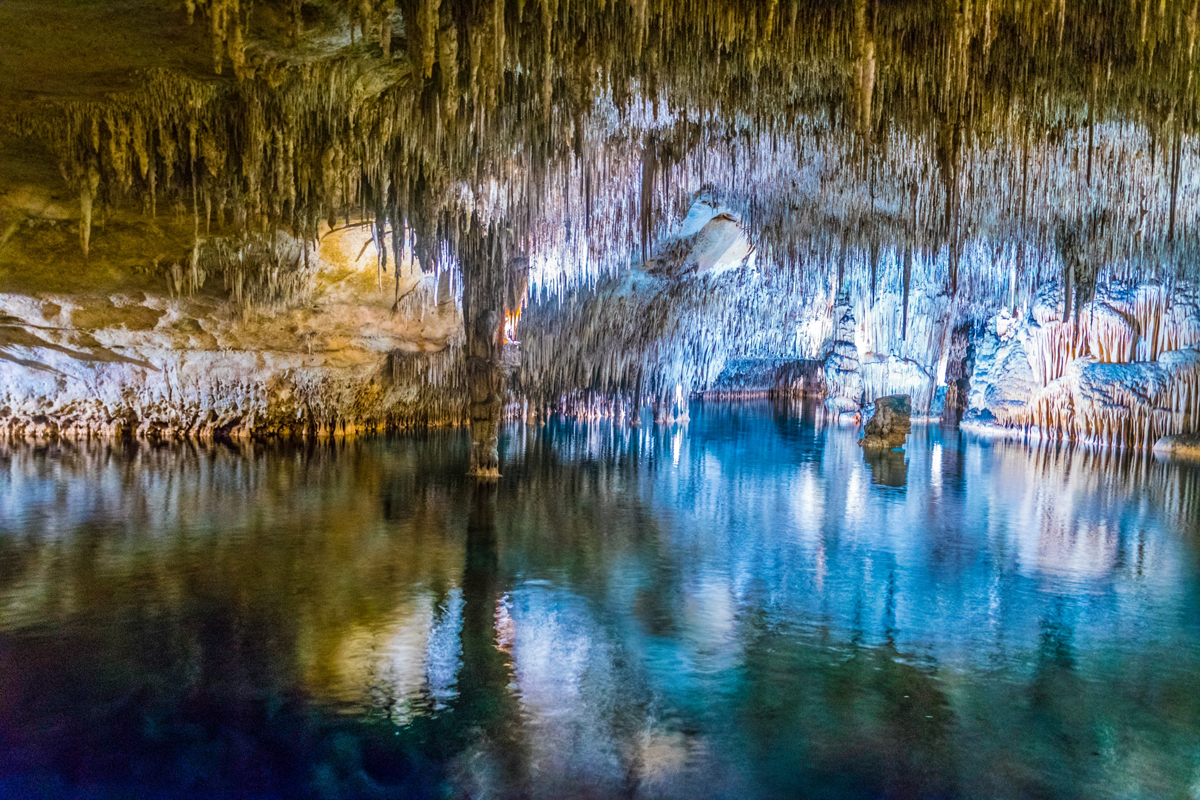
[1123, 370]
[143, 363]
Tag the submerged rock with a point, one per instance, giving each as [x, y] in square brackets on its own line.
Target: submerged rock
[889, 426]
[1182, 446]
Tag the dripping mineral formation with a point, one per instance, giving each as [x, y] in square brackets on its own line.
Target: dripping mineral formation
[303, 217]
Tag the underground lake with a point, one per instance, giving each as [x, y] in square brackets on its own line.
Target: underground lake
[740, 606]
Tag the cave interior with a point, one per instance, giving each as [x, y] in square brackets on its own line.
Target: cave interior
[320, 217]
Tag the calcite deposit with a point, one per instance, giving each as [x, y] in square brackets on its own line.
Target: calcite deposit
[597, 208]
[1125, 371]
[141, 363]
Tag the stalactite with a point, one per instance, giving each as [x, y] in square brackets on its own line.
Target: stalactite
[586, 128]
[524, 134]
[1176, 157]
[228, 21]
[88, 185]
[646, 216]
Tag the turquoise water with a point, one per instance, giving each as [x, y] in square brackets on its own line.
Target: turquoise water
[740, 607]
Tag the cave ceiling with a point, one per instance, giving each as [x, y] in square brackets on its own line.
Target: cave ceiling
[986, 138]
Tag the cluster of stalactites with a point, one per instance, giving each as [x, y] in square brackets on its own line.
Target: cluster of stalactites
[229, 21]
[809, 204]
[654, 341]
[589, 127]
[1122, 371]
[1165, 402]
[1138, 325]
[432, 386]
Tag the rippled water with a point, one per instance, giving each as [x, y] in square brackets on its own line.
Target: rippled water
[742, 607]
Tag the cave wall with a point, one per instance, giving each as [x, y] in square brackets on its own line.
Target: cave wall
[340, 356]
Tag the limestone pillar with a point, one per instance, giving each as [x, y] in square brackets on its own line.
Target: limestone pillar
[485, 289]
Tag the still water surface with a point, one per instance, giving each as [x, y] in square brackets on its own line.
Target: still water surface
[742, 607]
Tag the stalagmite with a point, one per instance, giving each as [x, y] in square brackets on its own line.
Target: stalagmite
[888, 427]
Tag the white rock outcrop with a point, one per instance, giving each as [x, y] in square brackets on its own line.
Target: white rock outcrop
[1126, 375]
[139, 363]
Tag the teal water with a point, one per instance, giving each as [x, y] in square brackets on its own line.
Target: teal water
[740, 607]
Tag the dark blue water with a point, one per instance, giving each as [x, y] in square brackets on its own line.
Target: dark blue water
[742, 607]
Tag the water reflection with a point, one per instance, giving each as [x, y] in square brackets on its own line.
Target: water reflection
[744, 607]
[888, 467]
[485, 707]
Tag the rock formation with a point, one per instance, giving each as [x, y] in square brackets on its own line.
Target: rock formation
[843, 370]
[136, 361]
[686, 195]
[888, 427]
[1185, 446]
[1123, 371]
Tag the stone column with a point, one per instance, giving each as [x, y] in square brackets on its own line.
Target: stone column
[482, 259]
[485, 390]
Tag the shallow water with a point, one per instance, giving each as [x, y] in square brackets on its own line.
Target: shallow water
[740, 607]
